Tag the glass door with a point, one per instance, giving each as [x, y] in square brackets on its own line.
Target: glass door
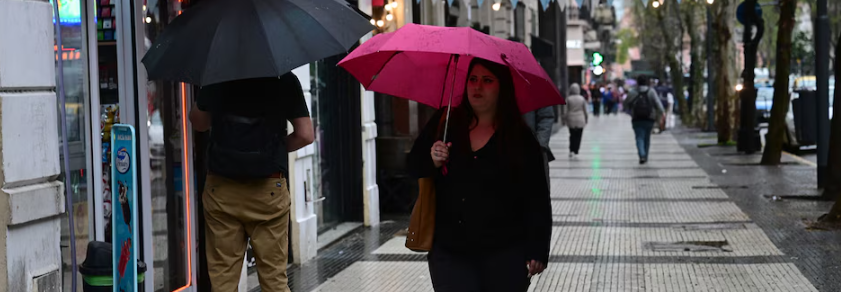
[165, 105]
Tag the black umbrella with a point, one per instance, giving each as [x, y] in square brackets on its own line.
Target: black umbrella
[223, 40]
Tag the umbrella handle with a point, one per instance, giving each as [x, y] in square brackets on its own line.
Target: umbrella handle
[505, 59]
[450, 104]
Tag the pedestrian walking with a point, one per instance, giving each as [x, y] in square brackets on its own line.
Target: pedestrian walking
[607, 100]
[670, 115]
[246, 192]
[596, 96]
[493, 214]
[576, 118]
[646, 109]
[540, 122]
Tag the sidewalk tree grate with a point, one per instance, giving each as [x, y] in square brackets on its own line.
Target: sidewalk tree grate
[718, 187]
[713, 226]
[815, 198]
[688, 246]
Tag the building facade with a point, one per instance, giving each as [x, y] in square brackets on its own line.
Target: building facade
[332, 182]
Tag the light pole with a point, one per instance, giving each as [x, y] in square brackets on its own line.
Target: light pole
[751, 16]
[710, 79]
[822, 78]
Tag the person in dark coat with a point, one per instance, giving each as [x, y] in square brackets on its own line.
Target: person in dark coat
[493, 220]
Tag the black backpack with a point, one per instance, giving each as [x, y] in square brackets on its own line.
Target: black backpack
[245, 147]
[642, 107]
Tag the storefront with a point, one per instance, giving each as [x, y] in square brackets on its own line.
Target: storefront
[103, 41]
[332, 181]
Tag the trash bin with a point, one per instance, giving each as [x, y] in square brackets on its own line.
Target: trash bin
[97, 269]
[805, 109]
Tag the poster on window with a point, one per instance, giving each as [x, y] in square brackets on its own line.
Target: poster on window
[123, 211]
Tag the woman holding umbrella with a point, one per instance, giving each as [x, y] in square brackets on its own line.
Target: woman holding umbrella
[493, 220]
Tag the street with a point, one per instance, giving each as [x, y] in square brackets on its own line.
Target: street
[619, 226]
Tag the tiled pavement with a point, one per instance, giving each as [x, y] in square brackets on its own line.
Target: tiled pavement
[676, 224]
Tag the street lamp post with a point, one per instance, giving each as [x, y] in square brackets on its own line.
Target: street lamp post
[822, 78]
[710, 79]
[749, 140]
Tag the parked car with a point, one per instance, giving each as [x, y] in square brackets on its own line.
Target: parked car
[764, 102]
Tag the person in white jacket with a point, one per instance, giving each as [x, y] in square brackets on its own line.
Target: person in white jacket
[576, 118]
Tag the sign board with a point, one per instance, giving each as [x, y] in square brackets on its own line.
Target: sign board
[742, 13]
[124, 214]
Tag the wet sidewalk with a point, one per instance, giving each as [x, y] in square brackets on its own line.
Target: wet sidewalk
[692, 219]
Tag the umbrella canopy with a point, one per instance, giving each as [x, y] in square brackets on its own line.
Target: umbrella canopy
[420, 62]
[224, 40]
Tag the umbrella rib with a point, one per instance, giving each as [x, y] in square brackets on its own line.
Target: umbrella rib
[206, 63]
[376, 76]
[269, 43]
[444, 84]
[335, 38]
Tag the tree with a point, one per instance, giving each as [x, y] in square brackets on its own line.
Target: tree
[768, 48]
[802, 54]
[675, 71]
[696, 68]
[777, 123]
[627, 40]
[724, 73]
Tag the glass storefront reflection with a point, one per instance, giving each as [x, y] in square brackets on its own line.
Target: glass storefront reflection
[166, 155]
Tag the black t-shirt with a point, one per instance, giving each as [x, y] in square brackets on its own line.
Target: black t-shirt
[279, 97]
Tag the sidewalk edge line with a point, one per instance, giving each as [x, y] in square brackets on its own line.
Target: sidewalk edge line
[801, 159]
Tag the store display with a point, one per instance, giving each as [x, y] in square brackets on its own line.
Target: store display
[106, 22]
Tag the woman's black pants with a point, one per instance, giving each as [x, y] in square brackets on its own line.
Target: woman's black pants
[575, 139]
[502, 270]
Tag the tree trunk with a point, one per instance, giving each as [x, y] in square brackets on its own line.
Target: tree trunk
[675, 70]
[696, 71]
[724, 88]
[777, 124]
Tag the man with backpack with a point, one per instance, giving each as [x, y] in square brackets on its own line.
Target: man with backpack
[646, 109]
[246, 194]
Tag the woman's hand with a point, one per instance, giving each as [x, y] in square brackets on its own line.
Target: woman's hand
[440, 153]
[535, 267]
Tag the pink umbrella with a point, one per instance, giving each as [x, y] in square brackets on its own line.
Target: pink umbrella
[424, 63]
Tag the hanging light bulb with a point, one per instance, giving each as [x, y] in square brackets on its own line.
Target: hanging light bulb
[148, 19]
[394, 4]
[655, 4]
[710, 2]
[380, 23]
[389, 17]
[497, 6]
[373, 22]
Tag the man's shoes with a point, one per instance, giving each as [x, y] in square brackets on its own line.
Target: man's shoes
[643, 160]
[571, 155]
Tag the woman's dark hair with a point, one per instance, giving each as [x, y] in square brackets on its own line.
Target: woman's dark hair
[511, 129]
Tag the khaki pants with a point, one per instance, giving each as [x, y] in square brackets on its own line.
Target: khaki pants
[238, 209]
